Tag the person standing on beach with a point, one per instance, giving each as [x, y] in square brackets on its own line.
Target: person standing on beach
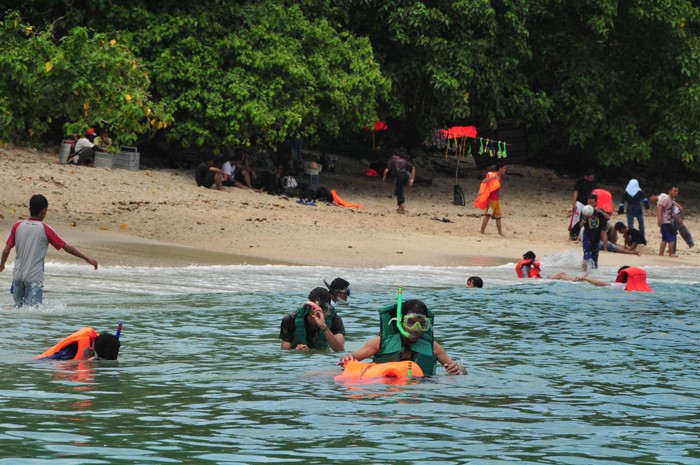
[399, 169]
[582, 190]
[488, 197]
[634, 196]
[32, 238]
[665, 219]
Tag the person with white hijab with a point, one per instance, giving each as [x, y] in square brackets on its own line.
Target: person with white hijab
[634, 196]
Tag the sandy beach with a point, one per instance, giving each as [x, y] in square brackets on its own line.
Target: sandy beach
[161, 218]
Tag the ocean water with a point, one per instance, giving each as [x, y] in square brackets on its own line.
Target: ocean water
[559, 372]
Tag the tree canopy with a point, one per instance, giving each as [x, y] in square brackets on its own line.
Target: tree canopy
[594, 81]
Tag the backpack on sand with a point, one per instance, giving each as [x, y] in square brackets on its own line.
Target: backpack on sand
[458, 196]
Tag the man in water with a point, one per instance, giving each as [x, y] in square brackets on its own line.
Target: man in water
[32, 238]
[628, 278]
[314, 325]
[339, 290]
[475, 281]
[393, 345]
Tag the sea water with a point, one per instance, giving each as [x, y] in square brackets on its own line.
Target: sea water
[559, 372]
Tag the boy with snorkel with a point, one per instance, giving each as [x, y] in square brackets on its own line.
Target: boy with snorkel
[406, 334]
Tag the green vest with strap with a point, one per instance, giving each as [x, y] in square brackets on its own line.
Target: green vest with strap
[391, 344]
[300, 328]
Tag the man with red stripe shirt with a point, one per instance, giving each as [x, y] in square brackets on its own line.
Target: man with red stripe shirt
[32, 238]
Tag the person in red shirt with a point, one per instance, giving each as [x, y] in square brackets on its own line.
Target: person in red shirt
[32, 238]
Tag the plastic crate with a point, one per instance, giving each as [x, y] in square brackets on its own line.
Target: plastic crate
[103, 160]
[128, 158]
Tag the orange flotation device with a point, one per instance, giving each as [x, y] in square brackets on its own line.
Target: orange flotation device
[533, 268]
[635, 278]
[343, 203]
[487, 186]
[605, 200]
[84, 337]
[356, 370]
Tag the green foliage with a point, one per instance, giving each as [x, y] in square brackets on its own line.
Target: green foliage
[596, 81]
[266, 75]
[623, 77]
[81, 80]
[451, 61]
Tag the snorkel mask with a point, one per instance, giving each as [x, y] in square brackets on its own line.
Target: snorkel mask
[414, 322]
[412, 325]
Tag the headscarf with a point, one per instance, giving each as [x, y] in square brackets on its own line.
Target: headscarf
[632, 187]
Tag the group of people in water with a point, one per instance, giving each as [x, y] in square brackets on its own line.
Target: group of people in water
[406, 331]
[629, 278]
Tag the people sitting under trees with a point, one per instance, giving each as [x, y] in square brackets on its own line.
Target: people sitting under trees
[84, 152]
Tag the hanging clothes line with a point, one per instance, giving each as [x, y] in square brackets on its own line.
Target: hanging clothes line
[456, 138]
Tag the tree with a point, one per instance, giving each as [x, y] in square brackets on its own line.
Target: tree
[80, 80]
[623, 77]
[264, 74]
[450, 61]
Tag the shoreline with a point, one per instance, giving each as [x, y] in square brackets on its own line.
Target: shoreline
[160, 217]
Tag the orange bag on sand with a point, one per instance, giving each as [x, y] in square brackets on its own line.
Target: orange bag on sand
[343, 203]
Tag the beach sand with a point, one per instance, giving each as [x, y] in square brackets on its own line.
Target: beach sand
[161, 218]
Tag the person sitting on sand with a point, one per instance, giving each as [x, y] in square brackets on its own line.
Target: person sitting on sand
[628, 278]
[237, 172]
[475, 281]
[632, 237]
[84, 153]
[207, 175]
[314, 325]
[85, 344]
[413, 341]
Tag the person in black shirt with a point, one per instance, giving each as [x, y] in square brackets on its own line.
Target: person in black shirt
[582, 189]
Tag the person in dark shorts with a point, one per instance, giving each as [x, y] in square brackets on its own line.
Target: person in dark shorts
[207, 175]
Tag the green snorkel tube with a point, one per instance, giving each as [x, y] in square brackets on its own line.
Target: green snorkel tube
[399, 324]
[399, 317]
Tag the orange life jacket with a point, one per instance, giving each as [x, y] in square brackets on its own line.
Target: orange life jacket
[636, 279]
[487, 186]
[355, 370]
[605, 200]
[343, 203]
[84, 337]
[533, 268]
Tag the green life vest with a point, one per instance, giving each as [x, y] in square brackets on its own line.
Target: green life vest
[391, 343]
[300, 336]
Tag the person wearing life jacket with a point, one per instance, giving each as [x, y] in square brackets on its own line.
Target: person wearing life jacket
[85, 344]
[528, 267]
[314, 325]
[634, 278]
[629, 278]
[392, 345]
[488, 197]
